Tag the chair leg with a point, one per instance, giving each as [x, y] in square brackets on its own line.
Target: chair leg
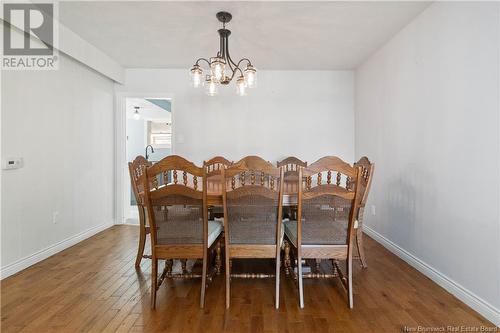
[349, 281]
[361, 249]
[228, 280]
[204, 279]
[286, 259]
[278, 269]
[184, 266]
[301, 286]
[154, 281]
[142, 239]
[168, 265]
[218, 257]
[317, 267]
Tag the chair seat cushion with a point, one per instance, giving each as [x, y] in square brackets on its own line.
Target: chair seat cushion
[331, 234]
[214, 230]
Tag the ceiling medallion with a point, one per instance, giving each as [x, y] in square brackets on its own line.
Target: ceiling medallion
[222, 69]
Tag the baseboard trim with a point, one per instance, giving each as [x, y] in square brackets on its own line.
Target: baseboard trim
[128, 223]
[38, 256]
[472, 300]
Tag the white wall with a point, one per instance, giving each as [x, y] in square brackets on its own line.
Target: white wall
[135, 138]
[427, 113]
[308, 114]
[76, 47]
[61, 123]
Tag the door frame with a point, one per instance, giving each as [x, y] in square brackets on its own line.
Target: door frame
[121, 167]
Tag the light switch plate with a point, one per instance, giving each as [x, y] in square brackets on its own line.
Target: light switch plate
[12, 163]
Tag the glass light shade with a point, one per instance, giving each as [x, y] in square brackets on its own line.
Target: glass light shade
[241, 86]
[251, 76]
[137, 115]
[211, 86]
[196, 76]
[217, 65]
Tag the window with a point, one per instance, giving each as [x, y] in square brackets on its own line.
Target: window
[160, 134]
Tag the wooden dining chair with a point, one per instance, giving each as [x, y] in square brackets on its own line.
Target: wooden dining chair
[328, 202]
[213, 168]
[178, 217]
[136, 169]
[290, 167]
[215, 165]
[291, 163]
[252, 199]
[367, 169]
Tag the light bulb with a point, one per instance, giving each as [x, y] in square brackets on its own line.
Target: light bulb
[241, 86]
[251, 76]
[211, 86]
[218, 65]
[196, 75]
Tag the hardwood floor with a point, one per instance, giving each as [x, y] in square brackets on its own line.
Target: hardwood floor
[94, 287]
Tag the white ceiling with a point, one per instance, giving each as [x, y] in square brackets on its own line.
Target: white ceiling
[274, 35]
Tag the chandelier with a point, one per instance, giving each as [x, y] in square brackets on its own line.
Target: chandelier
[222, 69]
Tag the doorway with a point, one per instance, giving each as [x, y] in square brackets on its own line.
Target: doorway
[148, 132]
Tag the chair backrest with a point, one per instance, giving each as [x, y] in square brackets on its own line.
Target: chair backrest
[290, 166]
[136, 169]
[252, 196]
[328, 200]
[177, 209]
[214, 165]
[367, 169]
[291, 163]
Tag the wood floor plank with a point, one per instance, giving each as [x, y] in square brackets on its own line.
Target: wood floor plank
[94, 287]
